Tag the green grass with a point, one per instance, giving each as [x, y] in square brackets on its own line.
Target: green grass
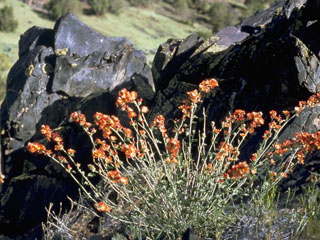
[143, 27]
[26, 18]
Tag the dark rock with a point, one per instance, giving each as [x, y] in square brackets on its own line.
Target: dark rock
[67, 69]
[189, 235]
[81, 40]
[271, 68]
[108, 61]
[25, 197]
[230, 36]
[35, 36]
[172, 55]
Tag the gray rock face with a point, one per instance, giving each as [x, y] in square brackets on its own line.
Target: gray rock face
[108, 61]
[270, 61]
[59, 71]
[81, 40]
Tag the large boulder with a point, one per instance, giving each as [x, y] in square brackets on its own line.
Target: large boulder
[270, 61]
[60, 70]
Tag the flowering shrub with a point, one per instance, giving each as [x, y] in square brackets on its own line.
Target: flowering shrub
[167, 181]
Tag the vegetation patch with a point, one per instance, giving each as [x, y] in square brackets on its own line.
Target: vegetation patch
[155, 183]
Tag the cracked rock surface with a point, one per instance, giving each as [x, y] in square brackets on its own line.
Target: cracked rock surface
[68, 68]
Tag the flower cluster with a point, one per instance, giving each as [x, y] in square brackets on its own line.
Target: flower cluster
[312, 101]
[207, 85]
[158, 121]
[125, 97]
[237, 171]
[227, 152]
[257, 120]
[304, 142]
[173, 147]
[79, 118]
[194, 96]
[47, 132]
[102, 207]
[106, 123]
[130, 150]
[115, 177]
[36, 148]
[186, 163]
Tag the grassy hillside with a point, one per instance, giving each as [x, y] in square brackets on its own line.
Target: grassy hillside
[143, 27]
[26, 18]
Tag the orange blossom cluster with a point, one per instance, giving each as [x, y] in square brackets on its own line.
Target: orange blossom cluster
[116, 177]
[173, 147]
[158, 121]
[195, 96]
[237, 171]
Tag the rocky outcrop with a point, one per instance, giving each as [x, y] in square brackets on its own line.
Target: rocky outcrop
[71, 67]
[269, 61]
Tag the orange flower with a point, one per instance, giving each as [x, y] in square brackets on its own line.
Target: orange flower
[62, 159]
[213, 83]
[102, 207]
[108, 160]
[130, 111]
[71, 151]
[266, 134]
[46, 130]
[58, 147]
[173, 147]
[78, 118]
[113, 138]
[124, 96]
[194, 96]
[142, 132]
[237, 171]
[69, 168]
[273, 175]
[185, 110]
[57, 138]
[272, 162]
[253, 157]
[208, 168]
[123, 180]
[129, 150]
[115, 177]
[286, 113]
[36, 147]
[238, 115]
[300, 157]
[159, 122]
[98, 153]
[2, 177]
[206, 85]
[113, 174]
[144, 109]
[127, 132]
[256, 117]
[171, 160]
